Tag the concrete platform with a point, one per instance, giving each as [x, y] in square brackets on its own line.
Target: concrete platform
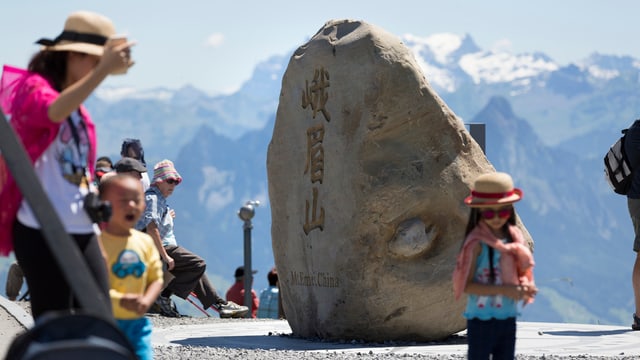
[532, 339]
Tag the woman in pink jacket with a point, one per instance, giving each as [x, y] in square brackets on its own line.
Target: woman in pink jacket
[45, 105]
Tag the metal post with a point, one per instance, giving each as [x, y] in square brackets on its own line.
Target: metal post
[248, 276]
[246, 214]
[478, 133]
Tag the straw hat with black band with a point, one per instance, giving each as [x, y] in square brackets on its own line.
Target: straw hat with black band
[84, 32]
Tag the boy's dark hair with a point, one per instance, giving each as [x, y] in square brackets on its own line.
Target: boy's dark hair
[51, 65]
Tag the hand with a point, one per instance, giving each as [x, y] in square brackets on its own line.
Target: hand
[143, 305]
[130, 302]
[522, 292]
[135, 303]
[170, 263]
[117, 56]
[172, 213]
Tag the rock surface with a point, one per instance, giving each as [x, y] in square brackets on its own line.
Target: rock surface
[367, 170]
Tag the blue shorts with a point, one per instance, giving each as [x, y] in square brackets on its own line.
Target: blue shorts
[138, 331]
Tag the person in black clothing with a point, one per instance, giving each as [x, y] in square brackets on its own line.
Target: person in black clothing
[632, 148]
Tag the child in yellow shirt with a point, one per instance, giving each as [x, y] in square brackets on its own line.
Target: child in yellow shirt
[134, 266]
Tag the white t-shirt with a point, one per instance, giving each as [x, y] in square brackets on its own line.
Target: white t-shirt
[63, 174]
[145, 181]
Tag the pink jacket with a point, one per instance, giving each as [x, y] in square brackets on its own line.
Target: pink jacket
[516, 260]
[26, 97]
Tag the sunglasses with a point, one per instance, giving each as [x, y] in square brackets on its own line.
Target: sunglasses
[172, 181]
[490, 213]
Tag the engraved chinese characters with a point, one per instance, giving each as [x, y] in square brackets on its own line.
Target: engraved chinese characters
[315, 161]
[315, 97]
[367, 171]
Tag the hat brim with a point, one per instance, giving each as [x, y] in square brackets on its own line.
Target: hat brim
[140, 169]
[241, 275]
[85, 48]
[168, 175]
[472, 201]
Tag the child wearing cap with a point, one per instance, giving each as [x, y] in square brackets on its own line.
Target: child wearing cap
[494, 268]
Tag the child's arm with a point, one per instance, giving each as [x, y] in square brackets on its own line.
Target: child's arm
[516, 292]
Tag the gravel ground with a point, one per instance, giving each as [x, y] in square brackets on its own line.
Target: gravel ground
[201, 352]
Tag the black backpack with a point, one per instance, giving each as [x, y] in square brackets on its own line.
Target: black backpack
[71, 337]
[617, 167]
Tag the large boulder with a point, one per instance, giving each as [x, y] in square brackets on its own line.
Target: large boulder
[367, 170]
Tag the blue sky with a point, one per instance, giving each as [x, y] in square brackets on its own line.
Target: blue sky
[214, 45]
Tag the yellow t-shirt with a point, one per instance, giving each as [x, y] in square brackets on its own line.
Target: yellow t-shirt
[134, 263]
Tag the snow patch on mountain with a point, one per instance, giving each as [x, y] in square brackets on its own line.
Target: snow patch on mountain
[113, 94]
[490, 67]
[602, 73]
[445, 57]
[438, 47]
[607, 67]
[437, 76]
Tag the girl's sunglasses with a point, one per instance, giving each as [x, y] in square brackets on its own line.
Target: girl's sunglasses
[172, 182]
[491, 213]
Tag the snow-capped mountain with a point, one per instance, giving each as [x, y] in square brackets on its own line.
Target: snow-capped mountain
[448, 60]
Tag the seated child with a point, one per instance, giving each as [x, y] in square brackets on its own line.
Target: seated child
[134, 266]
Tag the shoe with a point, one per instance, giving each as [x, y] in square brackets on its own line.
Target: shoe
[636, 323]
[154, 308]
[167, 307]
[231, 310]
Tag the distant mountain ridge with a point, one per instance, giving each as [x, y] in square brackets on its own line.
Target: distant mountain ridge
[558, 99]
[547, 124]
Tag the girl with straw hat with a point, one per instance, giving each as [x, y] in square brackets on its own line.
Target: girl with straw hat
[45, 102]
[494, 268]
